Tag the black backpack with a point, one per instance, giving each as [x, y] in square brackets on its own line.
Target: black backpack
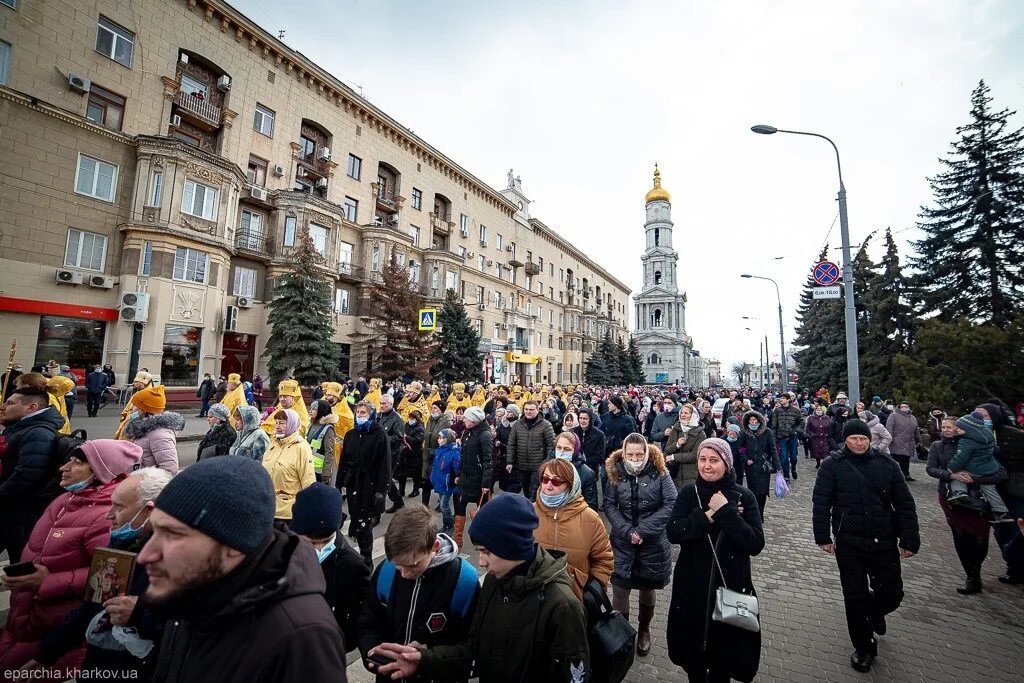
[610, 636]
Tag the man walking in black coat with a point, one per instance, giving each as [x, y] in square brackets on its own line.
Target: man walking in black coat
[365, 476]
[205, 393]
[864, 514]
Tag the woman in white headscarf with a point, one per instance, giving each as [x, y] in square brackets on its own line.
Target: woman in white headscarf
[289, 460]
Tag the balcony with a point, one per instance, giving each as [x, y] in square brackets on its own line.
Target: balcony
[350, 272]
[200, 112]
[252, 240]
[532, 268]
[514, 261]
[387, 202]
[440, 225]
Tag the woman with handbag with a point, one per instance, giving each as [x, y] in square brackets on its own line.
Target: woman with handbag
[638, 502]
[713, 616]
[762, 457]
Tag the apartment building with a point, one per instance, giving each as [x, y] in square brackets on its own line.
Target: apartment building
[161, 160]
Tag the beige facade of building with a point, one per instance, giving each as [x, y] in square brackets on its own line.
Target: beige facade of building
[174, 151]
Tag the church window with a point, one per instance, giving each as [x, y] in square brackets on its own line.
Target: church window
[657, 237]
[656, 318]
[655, 359]
[657, 277]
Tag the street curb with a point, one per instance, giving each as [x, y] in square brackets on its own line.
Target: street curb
[187, 438]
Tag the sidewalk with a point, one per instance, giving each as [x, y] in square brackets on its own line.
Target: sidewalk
[104, 425]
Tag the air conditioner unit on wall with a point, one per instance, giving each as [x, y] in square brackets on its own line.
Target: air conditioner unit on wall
[68, 277]
[79, 83]
[224, 82]
[134, 307]
[278, 170]
[324, 155]
[101, 282]
[183, 58]
[243, 302]
[259, 193]
[322, 183]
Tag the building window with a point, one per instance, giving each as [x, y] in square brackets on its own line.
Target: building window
[451, 280]
[146, 259]
[180, 364]
[656, 317]
[482, 262]
[481, 295]
[497, 332]
[156, 189]
[414, 233]
[307, 148]
[414, 275]
[417, 199]
[5, 61]
[199, 200]
[351, 209]
[190, 265]
[75, 341]
[256, 173]
[263, 121]
[497, 270]
[13, 4]
[464, 226]
[341, 301]
[462, 252]
[185, 137]
[250, 235]
[375, 259]
[95, 178]
[289, 231]
[105, 108]
[115, 42]
[400, 258]
[345, 254]
[499, 242]
[540, 263]
[85, 250]
[245, 282]
[195, 88]
[318, 233]
[355, 166]
[479, 327]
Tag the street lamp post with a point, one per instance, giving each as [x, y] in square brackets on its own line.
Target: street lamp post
[766, 360]
[760, 358]
[784, 379]
[852, 357]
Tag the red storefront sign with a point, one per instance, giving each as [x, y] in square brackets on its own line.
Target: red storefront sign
[13, 305]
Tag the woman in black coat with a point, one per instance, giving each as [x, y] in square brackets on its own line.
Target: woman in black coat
[412, 453]
[713, 511]
[637, 502]
[219, 439]
[477, 459]
[762, 458]
[365, 475]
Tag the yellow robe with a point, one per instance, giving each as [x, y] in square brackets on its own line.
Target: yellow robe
[407, 406]
[436, 396]
[235, 399]
[373, 396]
[479, 397]
[57, 387]
[346, 421]
[454, 402]
[299, 407]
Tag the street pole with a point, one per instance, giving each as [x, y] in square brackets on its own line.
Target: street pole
[852, 351]
[760, 362]
[784, 379]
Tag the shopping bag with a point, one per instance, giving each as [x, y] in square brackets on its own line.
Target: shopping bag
[781, 487]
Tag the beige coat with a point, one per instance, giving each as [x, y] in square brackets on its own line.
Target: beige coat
[290, 464]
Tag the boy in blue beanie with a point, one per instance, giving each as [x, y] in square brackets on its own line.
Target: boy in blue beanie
[975, 452]
[534, 628]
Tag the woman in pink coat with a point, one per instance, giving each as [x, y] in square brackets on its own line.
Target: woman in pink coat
[61, 547]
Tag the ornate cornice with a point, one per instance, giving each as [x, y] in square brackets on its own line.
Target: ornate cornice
[62, 114]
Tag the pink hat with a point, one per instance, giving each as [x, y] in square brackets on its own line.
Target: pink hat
[110, 458]
[719, 446]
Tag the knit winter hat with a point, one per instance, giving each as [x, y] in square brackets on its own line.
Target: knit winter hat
[855, 427]
[718, 446]
[505, 526]
[735, 428]
[448, 435]
[110, 458]
[973, 421]
[316, 511]
[151, 400]
[617, 402]
[475, 414]
[231, 500]
[220, 411]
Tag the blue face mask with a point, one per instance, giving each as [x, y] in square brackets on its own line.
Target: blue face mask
[125, 532]
[563, 456]
[754, 427]
[362, 420]
[731, 437]
[326, 550]
[77, 486]
[988, 423]
[554, 501]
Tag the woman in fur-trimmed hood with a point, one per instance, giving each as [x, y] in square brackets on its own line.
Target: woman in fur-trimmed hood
[155, 434]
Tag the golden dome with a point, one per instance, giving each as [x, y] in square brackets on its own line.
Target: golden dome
[658, 193]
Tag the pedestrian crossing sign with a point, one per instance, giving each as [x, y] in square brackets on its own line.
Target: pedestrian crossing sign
[428, 319]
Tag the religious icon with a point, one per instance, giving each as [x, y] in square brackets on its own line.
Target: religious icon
[110, 574]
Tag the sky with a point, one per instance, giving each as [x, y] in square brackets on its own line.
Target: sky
[582, 98]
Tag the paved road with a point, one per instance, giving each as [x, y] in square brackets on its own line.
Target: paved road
[938, 635]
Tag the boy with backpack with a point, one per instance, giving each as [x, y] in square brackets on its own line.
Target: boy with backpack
[443, 474]
[423, 592]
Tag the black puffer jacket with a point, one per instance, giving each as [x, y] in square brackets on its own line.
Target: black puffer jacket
[366, 470]
[864, 501]
[266, 621]
[28, 468]
[787, 422]
[477, 454]
[592, 442]
[218, 440]
[760, 447]
[643, 504]
[529, 444]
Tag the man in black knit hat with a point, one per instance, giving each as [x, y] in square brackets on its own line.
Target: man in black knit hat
[864, 514]
[242, 601]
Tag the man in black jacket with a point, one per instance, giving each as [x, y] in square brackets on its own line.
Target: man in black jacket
[205, 393]
[393, 425]
[864, 514]
[365, 476]
[28, 465]
[242, 601]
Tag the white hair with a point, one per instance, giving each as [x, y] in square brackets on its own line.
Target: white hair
[152, 481]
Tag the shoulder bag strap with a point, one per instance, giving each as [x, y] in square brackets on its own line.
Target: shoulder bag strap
[713, 553]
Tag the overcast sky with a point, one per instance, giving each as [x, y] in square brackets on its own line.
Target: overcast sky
[581, 98]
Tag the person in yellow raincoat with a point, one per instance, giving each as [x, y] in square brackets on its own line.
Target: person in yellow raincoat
[235, 398]
[142, 380]
[413, 399]
[435, 394]
[289, 396]
[343, 411]
[459, 397]
[479, 397]
[373, 395]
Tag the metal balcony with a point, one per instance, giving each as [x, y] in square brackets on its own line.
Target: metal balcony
[350, 272]
[440, 226]
[203, 114]
[533, 268]
[386, 201]
[253, 240]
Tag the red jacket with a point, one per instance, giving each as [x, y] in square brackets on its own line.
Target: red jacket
[63, 541]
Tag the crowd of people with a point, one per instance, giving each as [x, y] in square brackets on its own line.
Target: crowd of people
[244, 569]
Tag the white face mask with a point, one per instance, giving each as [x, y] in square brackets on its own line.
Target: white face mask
[635, 468]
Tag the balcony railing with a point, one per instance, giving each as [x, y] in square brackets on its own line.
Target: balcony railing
[441, 226]
[347, 270]
[532, 268]
[386, 202]
[199, 108]
[251, 239]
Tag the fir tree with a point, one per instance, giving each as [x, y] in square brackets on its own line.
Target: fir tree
[392, 342]
[595, 370]
[301, 327]
[622, 361]
[890, 324]
[460, 359]
[820, 337]
[971, 259]
[606, 349]
[635, 363]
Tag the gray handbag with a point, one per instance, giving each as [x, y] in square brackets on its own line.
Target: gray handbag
[732, 607]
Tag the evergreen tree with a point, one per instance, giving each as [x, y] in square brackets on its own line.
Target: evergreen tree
[635, 363]
[971, 259]
[820, 336]
[393, 345]
[459, 356]
[595, 370]
[890, 324]
[301, 327]
[610, 358]
[622, 361]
